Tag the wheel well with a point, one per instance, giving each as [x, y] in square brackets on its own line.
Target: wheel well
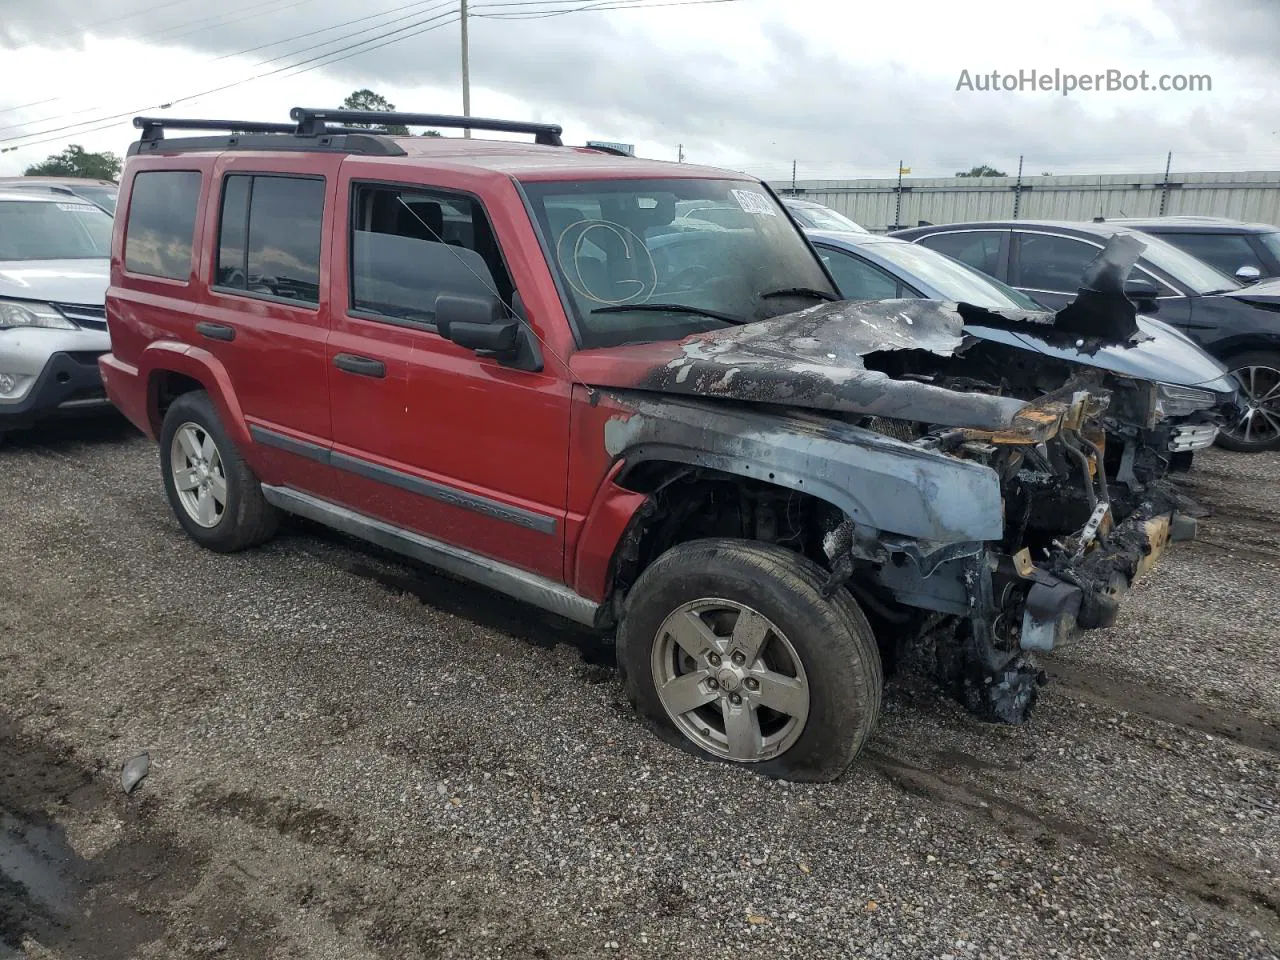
[690, 503]
[165, 387]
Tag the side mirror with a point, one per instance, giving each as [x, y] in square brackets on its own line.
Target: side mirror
[1248, 274]
[1143, 293]
[479, 324]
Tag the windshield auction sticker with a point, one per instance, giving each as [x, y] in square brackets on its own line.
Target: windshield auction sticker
[753, 202]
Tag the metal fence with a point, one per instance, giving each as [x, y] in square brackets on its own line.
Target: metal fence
[883, 205]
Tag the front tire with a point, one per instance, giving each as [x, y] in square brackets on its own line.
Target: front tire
[730, 651]
[214, 494]
[1258, 375]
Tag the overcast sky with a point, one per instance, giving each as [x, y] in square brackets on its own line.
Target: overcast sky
[844, 88]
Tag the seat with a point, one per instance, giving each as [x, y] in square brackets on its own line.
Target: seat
[421, 221]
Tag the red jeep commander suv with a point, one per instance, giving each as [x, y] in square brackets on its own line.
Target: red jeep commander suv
[529, 365]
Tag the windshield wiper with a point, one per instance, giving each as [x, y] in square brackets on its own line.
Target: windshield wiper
[800, 292]
[673, 308]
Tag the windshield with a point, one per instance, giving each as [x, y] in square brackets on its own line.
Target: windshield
[53, 230]
[817, 217]
[951, 278]
[702, 247]
[1196, 275]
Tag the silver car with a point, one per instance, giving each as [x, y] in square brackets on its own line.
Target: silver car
[54, 257]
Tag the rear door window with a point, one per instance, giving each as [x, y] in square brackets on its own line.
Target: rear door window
[980, 249]
[1050, 263]
[858, 280]
[161, 227]
[269, 237]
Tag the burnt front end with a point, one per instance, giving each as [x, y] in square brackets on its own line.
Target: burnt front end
[976, 613]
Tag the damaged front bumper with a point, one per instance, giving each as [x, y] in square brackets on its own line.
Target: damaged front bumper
[1082, 591]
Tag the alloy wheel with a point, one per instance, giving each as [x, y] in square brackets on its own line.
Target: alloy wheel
[198, 474]
[730, 680]
[1259, 423]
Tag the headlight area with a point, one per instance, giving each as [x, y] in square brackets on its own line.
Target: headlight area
[1176, 401]
[32, 313]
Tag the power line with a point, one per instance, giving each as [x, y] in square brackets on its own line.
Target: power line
[312, 33]
[359, 47]
[104, 123]
[327, 58]
[597, 6]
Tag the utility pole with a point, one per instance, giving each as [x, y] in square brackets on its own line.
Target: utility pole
[793, 178]
[466, 68]
[897, 212]
[1164, 187]
[679, 153]
[1017, 191]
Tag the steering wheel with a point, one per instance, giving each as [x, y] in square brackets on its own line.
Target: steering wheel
[691, 277]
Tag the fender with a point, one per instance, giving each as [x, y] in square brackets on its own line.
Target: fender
[879, 482]
[611, 513]
[170, 356]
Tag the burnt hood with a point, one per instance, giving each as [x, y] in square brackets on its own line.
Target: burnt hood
[813, 359]
[1158, 353]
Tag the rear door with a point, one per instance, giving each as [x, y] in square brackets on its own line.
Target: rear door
[267, 313]
[429, 436]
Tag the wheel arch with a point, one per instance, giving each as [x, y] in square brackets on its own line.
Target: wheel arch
[171, 369]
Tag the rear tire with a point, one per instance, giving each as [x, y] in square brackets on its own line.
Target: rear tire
[214, 494]
[1258, 374]
[805, 654]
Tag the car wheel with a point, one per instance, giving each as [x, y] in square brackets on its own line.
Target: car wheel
[215, 495]
[1258, 427]
[730, 651]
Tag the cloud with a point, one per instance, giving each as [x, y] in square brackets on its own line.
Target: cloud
[1236, 28]
[749, 89]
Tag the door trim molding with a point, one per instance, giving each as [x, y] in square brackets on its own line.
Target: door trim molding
[444, 493]
[520, 584]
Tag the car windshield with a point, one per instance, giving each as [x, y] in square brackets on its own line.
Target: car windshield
[68, 229]
[817, 217]
[1196, 275]
[951, 278]
[1272, 242]
[707, 249]
[105, 197]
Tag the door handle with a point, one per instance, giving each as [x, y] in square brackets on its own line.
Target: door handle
[216, 331]
[360, 366]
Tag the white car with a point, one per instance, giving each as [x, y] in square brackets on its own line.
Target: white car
[814, 216]
[54, 257]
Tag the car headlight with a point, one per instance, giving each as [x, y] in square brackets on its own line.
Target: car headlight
[1175, 401]
[30, 313]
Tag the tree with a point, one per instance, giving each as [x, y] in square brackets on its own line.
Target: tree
[982, 171]
[368, 100]
[75, 161]
[1046, 173]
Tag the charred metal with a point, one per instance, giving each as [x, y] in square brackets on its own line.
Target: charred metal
[981, 499]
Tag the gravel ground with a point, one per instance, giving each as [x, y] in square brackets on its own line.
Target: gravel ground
[353, 758]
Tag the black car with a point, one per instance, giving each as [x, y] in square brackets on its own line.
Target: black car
[1046, 259]
[1246, 251]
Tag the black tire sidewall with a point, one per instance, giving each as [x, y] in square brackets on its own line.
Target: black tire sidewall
[197, 408]
[835, 661]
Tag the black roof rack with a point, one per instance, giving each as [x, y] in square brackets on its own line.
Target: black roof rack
[311, 132]
[311, 122]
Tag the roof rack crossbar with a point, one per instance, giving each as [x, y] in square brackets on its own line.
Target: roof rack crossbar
[153, 128]
[311, 122]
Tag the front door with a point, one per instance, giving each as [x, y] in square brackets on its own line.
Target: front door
[429, 436]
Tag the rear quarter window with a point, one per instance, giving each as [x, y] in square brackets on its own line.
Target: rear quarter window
[162, 223]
